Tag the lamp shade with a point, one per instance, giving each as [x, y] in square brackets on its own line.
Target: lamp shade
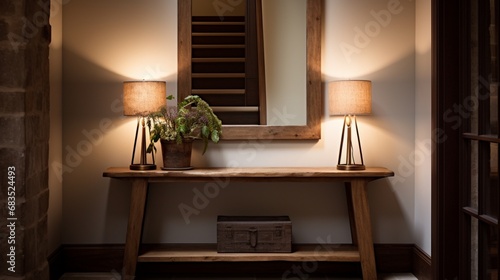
[351, 97]
[143, 97]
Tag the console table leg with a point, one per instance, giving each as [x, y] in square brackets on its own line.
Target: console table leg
[363, 228]
[134, 229]
[350, 211]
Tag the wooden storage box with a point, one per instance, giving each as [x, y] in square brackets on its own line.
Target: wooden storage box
[248, 234]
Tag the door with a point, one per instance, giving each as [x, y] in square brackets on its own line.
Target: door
[479, 186]
[465, 115]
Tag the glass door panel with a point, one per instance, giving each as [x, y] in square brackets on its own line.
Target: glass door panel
[489, 252]
[480, 191]
[474, 246]
[474, 184]
[491, 186]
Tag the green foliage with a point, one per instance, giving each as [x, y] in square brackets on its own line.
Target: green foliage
[191, 119]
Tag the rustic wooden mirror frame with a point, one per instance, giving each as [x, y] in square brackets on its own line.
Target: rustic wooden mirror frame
[314, 106]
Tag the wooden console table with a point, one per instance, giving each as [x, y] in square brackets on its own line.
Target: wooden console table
[359, 216]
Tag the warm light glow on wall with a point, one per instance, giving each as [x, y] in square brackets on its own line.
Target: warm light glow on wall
[138, 40]
[366, 41]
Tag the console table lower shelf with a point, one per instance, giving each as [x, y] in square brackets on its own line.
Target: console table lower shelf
[208, 253]
[355, 183]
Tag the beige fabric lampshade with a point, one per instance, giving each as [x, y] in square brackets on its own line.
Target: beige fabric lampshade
[352, 97]
[143, 97]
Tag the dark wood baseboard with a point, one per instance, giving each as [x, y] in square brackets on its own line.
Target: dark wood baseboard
[390, 258]
[421, 264]
[56, 263]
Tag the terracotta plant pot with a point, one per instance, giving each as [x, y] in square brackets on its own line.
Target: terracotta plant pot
[176, 156]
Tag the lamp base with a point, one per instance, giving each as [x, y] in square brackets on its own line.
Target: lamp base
[142, 167]
[351, 167]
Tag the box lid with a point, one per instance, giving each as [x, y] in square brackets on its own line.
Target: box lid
[253, 219]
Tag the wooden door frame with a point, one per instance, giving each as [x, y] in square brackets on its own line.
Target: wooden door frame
[446, 61]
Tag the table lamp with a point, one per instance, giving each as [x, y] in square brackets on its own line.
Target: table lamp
[141, 98]
[350, 98]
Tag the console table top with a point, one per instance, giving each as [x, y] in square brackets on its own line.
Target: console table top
[250, 173]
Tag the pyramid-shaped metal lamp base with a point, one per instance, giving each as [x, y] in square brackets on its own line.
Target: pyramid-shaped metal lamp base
[350, 167]
[143, 165]
[350, 164]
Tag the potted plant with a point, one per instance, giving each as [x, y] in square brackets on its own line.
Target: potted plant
[177, 127]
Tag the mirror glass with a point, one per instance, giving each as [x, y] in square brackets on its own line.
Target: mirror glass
[292, 65]
[284, 25]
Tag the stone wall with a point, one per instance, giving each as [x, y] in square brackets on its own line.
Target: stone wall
[24, 138]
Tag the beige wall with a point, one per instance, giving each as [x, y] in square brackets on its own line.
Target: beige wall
[423, 126]
[134, 40]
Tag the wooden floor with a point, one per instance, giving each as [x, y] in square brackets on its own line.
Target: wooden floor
[116, 276]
